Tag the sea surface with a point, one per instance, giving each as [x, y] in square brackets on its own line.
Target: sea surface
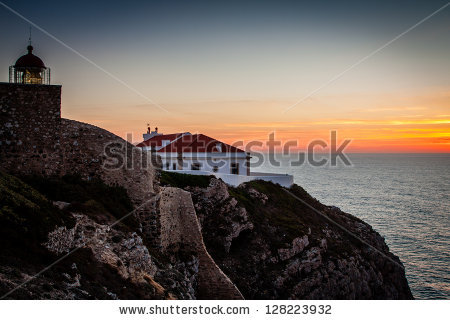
[405, 197]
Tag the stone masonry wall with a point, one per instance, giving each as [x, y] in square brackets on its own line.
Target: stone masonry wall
[35, 140]
[30, 121]
[149, 219]
[179, 224]
[91, 151]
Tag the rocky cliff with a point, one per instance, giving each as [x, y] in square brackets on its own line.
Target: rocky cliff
[260, 241]
[279, 244]
[101, 250]
[134, 232]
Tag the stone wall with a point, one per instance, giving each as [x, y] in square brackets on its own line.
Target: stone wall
[35, 140]
[94, 152]
[30, 120]
[180, 225]
[149, 218]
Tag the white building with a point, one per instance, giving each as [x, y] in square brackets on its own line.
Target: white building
[201, 155]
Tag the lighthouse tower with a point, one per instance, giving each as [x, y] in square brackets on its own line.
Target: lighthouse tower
[30, 118]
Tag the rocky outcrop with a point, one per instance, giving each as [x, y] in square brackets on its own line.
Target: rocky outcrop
[124, 252]
[220, 214]
[298, 244]
[102, 257]
[286, 250]
[98, 256]
[261, 243]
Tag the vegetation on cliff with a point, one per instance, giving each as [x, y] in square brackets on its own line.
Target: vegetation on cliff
[103, 203]
[26, 217]
[29, 217]
[268, 241]
[179, 180]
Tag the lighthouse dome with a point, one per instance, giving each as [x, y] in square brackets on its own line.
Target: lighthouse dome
[29, 60]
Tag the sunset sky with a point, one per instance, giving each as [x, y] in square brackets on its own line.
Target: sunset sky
[231, 70]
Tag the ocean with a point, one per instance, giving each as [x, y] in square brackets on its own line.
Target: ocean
[405, 197]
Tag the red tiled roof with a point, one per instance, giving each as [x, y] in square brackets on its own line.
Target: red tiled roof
[190, 143]
[198, 143]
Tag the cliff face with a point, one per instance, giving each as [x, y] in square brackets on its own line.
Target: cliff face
[109, 257]
[273, 246]
[136, 233]
[110, 262]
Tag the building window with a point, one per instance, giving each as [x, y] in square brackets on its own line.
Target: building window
[234, 168]
[215, 168]
[196, 166]
[174, 166]
[167, 165]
